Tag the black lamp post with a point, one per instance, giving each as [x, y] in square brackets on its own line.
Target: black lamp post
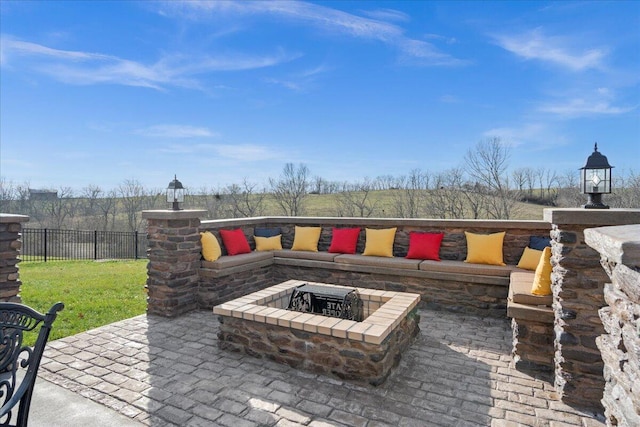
[595, 179]
[175, 193]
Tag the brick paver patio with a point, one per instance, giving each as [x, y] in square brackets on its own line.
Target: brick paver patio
[170, 372]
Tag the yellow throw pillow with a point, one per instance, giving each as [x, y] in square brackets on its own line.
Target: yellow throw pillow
[529, 259]
[379, 242]
[210, 246]
[485, 248]
[542, 279]
[268, 243]
[306, 239]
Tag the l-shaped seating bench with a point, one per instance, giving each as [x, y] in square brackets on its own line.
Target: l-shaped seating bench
[451, 284]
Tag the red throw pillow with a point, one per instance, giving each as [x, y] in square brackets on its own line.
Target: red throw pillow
[235, 242]
[344, 240]
[424, 245]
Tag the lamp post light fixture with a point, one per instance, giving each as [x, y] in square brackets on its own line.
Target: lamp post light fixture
[175, 193]
[595, 179]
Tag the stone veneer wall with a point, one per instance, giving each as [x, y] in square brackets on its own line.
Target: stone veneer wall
[342, 357]
[619, 249]
[578, 284]
[174, 253]
[10, 245]
[533, 344]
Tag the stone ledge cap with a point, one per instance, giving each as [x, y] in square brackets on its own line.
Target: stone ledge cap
[592, 217]
[11, 218]
[620, 244]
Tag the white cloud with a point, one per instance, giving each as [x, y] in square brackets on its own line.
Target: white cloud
[599, 101]
[387, 15]
[235, 152]
[583, 107]
[176, 131]
[326, 19]
[534, 45]
[515, 136]
[85, 68]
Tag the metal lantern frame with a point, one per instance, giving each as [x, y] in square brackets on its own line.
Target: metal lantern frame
[175, 193]
[595, 179]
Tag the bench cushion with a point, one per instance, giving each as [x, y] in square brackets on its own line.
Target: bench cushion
[520, 290]
[447, 266]
[235, 260]
[315, 256]
[378, 261]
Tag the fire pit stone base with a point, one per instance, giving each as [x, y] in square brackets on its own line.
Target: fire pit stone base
[364, 351]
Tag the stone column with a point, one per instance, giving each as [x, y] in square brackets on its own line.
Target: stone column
[174, 259]
[578, 283]
[10, 245]
[619, 249]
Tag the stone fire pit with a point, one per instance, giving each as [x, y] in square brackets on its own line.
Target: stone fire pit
[260, 325]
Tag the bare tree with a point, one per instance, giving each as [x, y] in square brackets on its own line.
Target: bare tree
[133, 202]
[410, 200]
[487, 165]
[355, 200]
[530, 174]
[245, 200]
[547, 179]
[56, 213]
[8, 194]
[569, 190]
[291, 189]
[520, 179]
[625, 190]
[447, 200]
[214, 201]
[107, 208]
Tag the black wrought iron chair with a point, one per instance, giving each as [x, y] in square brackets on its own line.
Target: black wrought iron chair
[19, 363]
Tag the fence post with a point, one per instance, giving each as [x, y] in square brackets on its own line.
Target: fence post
[95, 245]
[135, 241]
[10, 245]
[44, 240]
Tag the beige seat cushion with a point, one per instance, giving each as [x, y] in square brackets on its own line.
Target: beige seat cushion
[520, 290]
[379, 261]
[235, 260]
[447, 266]
[315, 256]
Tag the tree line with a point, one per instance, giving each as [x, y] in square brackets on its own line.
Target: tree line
[482, 187]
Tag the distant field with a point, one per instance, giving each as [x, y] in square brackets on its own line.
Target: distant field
[382, 200]
[94, 293]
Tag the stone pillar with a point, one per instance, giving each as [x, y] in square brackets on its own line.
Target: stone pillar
[578, 283]
[619, 249]
[174, 259]
[10, 245]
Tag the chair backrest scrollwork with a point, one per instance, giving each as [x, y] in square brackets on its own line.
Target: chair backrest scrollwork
[19, 363]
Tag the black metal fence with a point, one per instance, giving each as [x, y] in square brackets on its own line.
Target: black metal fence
[42, 244]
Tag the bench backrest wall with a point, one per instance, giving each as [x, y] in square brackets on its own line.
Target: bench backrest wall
[454, 246]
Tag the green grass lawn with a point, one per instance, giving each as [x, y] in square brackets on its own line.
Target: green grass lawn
[94, 293]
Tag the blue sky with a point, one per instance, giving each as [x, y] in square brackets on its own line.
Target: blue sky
[218, 92]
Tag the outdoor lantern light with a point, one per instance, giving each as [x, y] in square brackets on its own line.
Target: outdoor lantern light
[595, 179]
[175, 193]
